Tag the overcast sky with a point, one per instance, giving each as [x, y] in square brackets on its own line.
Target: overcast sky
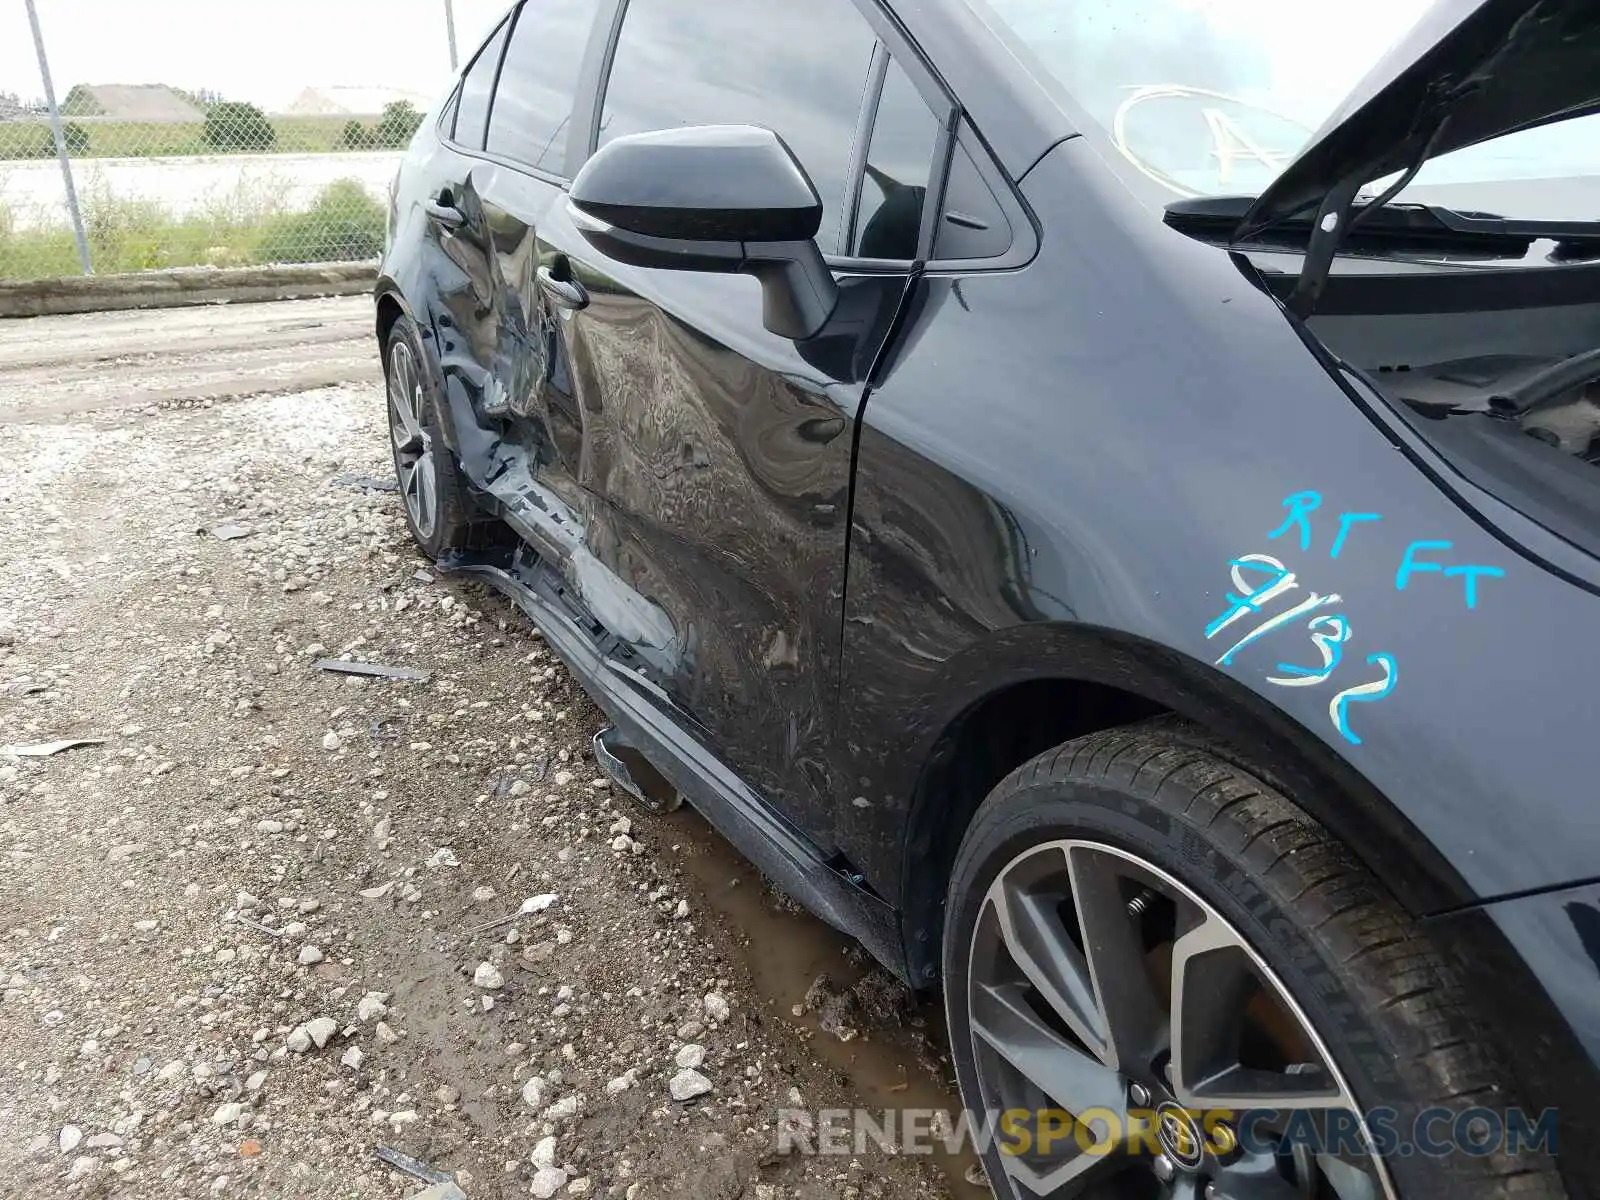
[265, 51]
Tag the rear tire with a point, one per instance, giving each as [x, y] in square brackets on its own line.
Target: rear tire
[1156, 831]
[433, 492]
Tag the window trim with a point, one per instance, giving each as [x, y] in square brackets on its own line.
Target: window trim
[454, 106]
[574, 127]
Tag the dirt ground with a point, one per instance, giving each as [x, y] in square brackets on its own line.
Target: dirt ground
[277, 917]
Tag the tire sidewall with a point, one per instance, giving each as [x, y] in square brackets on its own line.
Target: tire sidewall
[1058, 810]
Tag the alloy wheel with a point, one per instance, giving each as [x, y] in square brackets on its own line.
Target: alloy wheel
[1125, 1016]
[414, 454]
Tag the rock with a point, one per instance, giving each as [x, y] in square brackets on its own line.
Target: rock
[227, 1114]
[682, 910]
[716, 1007]
[353, 1058]
[406, 1116]
[256, 1081]
[386, 1035]
[544, 1153]
[379, 892]
[482, 895]
[267, 825]
[308, 955]
[488, 977]
[533, 1092]
[443, 857]
[146, 926]
[535, 904]
[615, 1087]
[547, 1181]
[690, 1030]
[69, 1138]
[299, 1040]
[691, 1057]
[447, 1095]
[331, 741]
[562, 1109]
[322, 1030]
[372, 1006]
[686, 1085]
[103, 1141]
[84, 1167]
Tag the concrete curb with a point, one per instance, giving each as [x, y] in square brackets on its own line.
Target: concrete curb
[184, 287]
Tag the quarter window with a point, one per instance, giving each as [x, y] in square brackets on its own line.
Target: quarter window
[472, 111]
[539, 83]
[894, 186]
[797, 67]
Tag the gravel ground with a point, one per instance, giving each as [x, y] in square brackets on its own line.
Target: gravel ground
[278, 916]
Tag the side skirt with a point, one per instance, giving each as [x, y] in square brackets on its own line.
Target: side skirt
[759, 832]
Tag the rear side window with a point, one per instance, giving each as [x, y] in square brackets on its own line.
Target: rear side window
[472, 111]
[797, 67]
[894, 186]
[539, 83]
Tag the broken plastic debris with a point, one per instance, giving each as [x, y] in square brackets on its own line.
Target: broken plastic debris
[45, 749]
[230, 531]
[413, 1167]
[340, 666]
[535, 904]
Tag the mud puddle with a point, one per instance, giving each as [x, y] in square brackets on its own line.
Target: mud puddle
[897, 1060]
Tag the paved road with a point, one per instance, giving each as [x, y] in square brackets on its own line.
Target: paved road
[54, 368]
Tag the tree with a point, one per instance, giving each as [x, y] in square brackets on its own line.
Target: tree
[234, 125]
[355, 136]
[399, 122]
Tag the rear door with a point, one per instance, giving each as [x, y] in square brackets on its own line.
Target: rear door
[520, 177]
[464, 305]
[716, 454]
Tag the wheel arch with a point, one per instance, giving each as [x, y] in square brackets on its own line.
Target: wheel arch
[1030, 688]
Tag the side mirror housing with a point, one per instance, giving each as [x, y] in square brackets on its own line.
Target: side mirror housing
[717, 198]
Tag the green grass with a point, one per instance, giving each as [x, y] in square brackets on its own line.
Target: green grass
[245, 228]
[157, 139]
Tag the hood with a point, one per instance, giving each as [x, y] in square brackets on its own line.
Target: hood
[1469, 70]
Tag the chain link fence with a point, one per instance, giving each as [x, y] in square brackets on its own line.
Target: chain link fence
[178, 133]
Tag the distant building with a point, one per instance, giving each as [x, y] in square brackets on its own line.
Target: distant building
[131, 102]
[11, 110]
[352, 101]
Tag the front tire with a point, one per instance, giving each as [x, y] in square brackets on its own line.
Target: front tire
[1142, 936]
[438, 506]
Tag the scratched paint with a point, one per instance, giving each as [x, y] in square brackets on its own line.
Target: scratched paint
[1269, 602]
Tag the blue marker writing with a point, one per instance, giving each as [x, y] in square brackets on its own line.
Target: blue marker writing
[1363, 693]
[1300, 505]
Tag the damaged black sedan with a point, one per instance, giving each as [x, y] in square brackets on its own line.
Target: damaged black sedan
[1096, 498]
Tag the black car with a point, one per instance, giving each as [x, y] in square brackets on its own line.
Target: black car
[1103, 521]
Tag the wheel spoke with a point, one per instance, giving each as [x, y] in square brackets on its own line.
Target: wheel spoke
[1137, 1029]
[1064, 1073]
[427, 492]
[1213, 979]
[404, 392]
[1038, 943]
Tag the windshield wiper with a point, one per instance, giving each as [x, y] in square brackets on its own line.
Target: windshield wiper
[1421, 227]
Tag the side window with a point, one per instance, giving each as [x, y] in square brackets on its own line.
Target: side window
[894, 187]
[797, 67]
[472, 110]
[539, 83]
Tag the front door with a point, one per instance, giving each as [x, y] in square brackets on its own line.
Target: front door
[716, 454]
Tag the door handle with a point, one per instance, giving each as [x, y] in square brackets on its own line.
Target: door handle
[563, 293]
[447, 215]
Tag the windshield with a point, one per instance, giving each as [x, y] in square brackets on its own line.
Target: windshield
[1216, 97]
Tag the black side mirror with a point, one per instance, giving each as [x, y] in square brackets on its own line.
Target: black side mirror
[724, 198]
